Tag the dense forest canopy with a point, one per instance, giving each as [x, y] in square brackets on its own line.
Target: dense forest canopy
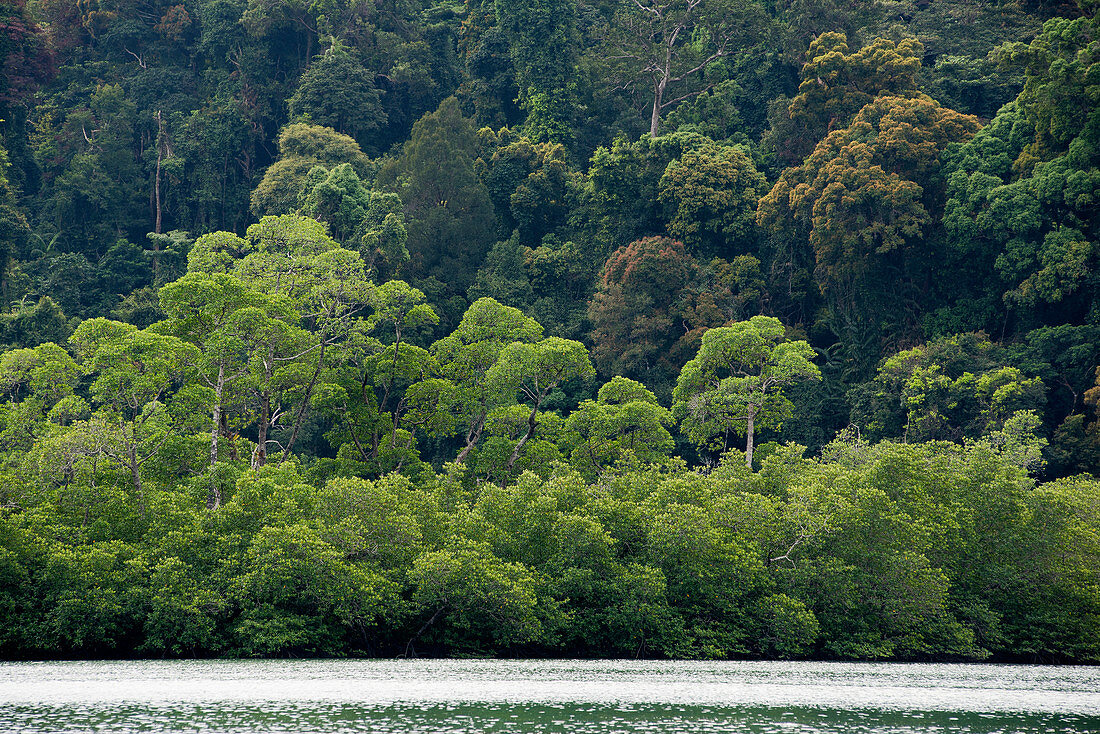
[686, 328]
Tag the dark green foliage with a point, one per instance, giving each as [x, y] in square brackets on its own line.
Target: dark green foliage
[713, 193]
[14, 230]
[29, 325]
[1022, 195]
[446, 205]
[960, 38]
[623, 201]
[94, 187]
[542, 38]
[490, 87]
[337, 92]
[948, 389]
[369, 220]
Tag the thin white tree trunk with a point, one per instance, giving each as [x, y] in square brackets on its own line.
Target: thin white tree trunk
[214, 498]
[749, 428]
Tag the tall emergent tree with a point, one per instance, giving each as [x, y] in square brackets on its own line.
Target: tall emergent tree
[735, 383]
[837, 82]
[666, 45]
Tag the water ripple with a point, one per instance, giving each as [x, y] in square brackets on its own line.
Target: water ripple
[572, 697]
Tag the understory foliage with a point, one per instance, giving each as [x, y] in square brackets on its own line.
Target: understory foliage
[572, 327]
[932, 551]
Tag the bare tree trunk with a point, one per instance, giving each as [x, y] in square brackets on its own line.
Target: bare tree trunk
[472, 437]
[230, 438]
[259, 456]
[526, 437]
[655, 117]
[393, 373]
[749, 428]
[135, 474]
[659, 86]
[305, 403]
[214, 498]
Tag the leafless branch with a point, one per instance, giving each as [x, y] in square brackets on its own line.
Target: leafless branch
[141, 61]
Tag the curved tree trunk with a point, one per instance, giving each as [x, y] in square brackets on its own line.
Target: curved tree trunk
[472, 437]
[305, 403]
[531, 423]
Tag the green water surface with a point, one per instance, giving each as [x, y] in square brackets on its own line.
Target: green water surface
[544, 696]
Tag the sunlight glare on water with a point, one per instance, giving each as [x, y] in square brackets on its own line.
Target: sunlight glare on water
[571, 697]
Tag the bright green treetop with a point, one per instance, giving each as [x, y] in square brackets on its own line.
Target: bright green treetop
[735, 383]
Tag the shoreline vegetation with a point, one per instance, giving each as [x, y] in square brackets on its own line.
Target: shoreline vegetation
[704, 329]
[804, 559]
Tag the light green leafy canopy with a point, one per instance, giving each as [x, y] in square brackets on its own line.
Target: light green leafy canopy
[739, 375]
